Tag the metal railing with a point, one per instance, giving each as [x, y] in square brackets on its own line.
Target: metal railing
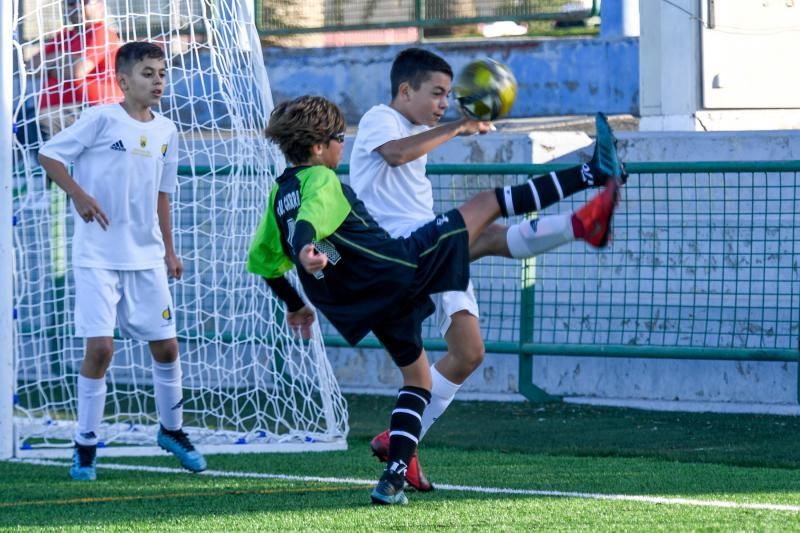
[704, 265]
[290, 17]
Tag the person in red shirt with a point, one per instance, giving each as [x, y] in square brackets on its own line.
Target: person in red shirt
[79, 66]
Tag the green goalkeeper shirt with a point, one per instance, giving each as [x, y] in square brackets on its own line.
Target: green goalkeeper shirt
[369, 276]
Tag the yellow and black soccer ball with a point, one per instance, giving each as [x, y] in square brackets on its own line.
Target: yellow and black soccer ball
[485, 89]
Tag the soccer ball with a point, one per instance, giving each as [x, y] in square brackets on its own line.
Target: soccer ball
[485, 89]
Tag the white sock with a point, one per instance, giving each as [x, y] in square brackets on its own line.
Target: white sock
[442, 393]
[534, 237]
[91, 403]
[169, 394]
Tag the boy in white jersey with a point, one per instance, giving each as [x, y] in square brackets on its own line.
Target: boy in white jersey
[125, 159]
[387, 172]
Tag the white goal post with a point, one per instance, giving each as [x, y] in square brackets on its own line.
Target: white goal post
[6, 251]
[250, 384]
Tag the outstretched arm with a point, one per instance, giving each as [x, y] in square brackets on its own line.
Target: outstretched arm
[401, 151]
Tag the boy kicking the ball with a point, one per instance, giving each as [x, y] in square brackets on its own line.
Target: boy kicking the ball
[387, 172]
[360, 277]
[125, 160]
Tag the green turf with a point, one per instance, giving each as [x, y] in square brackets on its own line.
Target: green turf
[567, 429]
[558, 447]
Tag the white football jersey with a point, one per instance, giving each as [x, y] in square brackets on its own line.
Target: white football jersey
[123, 163]
[399, 198]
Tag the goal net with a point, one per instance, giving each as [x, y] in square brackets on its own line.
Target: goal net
[249, 383]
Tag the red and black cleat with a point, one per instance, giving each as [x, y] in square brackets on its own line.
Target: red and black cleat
[414, 475]
[592, 222]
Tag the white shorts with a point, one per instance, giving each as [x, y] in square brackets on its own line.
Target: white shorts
[450, 303]
[139, 299]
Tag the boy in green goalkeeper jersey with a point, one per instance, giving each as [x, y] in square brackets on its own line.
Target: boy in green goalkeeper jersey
[362, 279]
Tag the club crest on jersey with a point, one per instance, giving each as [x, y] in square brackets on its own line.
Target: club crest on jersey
[163, 150]
[166, 314]
[141, 150]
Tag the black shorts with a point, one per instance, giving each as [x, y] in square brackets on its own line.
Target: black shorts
[442, 250]
[401, 335]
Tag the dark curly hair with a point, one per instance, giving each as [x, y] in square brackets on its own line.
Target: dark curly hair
[299, 124]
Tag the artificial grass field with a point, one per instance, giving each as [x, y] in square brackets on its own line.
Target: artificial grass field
[712, 472]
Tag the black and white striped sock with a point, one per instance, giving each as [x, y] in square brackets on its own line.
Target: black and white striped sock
[404, 430]
[542, 191]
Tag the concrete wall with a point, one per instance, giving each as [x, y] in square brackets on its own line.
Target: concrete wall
[556, 77]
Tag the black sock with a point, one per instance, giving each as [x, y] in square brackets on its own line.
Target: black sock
[404, 430]
[543, 191]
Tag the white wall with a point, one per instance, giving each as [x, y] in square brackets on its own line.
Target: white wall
[725, 68]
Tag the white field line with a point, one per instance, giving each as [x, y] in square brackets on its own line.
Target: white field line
[659, 500]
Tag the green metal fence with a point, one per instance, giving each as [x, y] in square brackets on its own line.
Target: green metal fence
[293, 17]
[704, 265]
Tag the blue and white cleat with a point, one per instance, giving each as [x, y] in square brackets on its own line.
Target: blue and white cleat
[385, 493]
[605, 160]
[84, 463]
[178, 444]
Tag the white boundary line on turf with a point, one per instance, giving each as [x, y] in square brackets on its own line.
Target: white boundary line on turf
[659, 500]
